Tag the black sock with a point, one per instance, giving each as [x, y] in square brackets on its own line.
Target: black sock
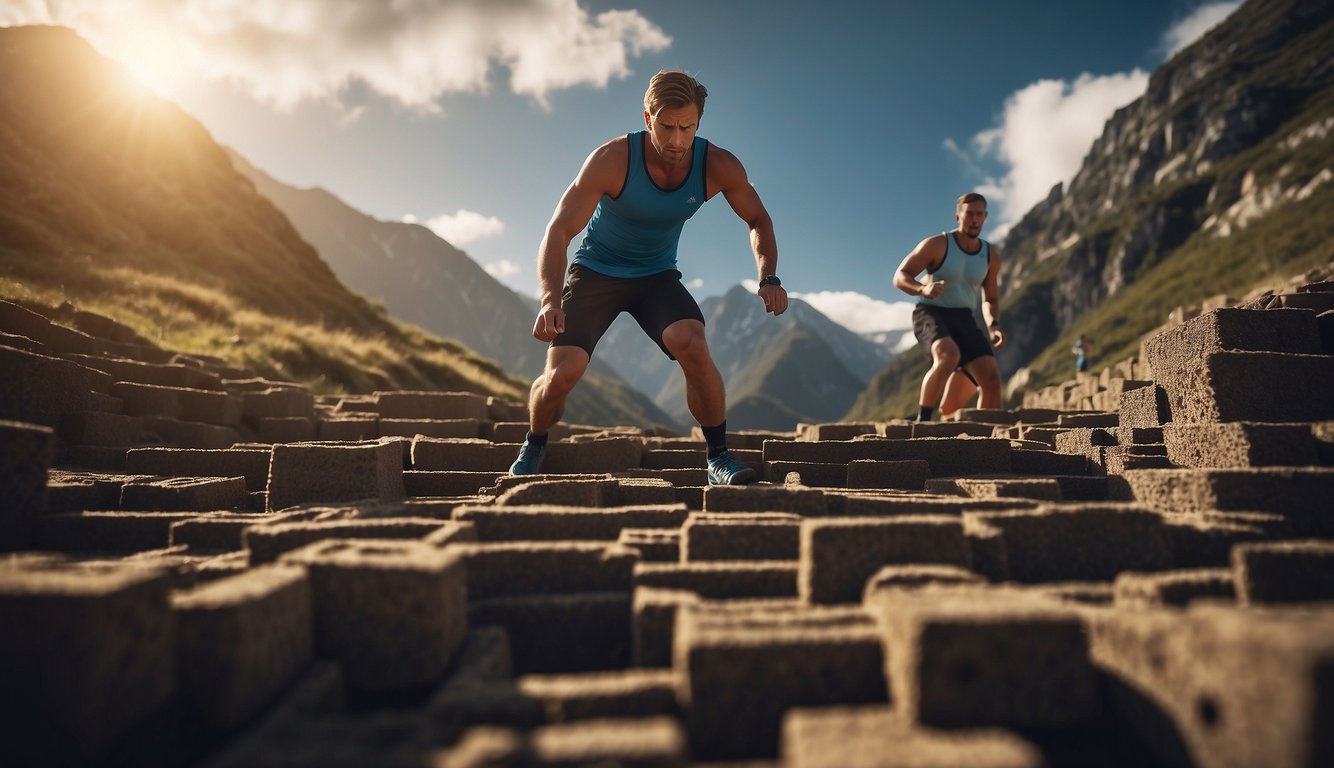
[537, 441]
[924, 412]
[716, 437]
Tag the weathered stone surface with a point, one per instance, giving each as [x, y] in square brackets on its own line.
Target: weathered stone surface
[392, 612]
[268, 542]
[722, 580]
[507, 569]
[87, 655]
[621, 693]
[561, 633]
[331, 472]
[431, 405]
[184, 493]
[1173, 587]
[26, 453]
[806, 502]
[250, 463]
[909, 474]
[106, 532]
[1240, 444]
[435, 454]
[42, 390]
[1284, 571]
[1299, 494]
[556, 523]
[659, 545]
[741, 536]
[838, 555]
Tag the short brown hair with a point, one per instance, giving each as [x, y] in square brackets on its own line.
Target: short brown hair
[971, 197]
[674, 88]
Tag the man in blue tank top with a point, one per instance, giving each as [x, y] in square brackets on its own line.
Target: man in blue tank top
[958, 265]
[633, 195]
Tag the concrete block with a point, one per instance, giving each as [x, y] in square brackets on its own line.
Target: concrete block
[908, 475]
[331, 472]
[266, 543]
[1219, 685]
[241, 641]
[95, 657]
[969, 657]
[250, 463]
[561, 633]
[1173, 588]
[557, 523]
[507, 569]
[740, 536]
[631, 693]
[454, 454]
[839, 555]
[26, 454]
[722, 580]
[742, 669]
[1080, 542]
[1284, 571]
[392, 612]
[1240, 444]
[873, 736]
[184, 493]
[431, 405]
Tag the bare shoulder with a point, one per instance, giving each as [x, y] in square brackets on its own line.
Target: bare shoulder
[935, 244]
[723, 166]
[604, 169]
[993, 249]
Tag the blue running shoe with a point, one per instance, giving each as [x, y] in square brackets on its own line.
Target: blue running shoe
[530, 457]
[725, 470]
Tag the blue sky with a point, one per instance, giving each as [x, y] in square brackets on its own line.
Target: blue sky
[859, 122]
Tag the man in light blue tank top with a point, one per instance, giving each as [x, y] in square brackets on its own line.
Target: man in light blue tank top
[958, 265]
[634, 194]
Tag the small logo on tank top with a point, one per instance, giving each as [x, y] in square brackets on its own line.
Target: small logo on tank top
[691, 201]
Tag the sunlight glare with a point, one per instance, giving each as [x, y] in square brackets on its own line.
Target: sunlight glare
[153, 57]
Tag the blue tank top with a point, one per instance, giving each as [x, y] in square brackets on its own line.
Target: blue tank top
[963, 273]
[636, 233]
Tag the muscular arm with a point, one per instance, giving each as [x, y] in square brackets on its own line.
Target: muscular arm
[603, 172]
[727, 175]
[991, 298]
[925, 256]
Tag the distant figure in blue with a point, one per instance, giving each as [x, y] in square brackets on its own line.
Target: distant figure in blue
[634, 194]
[958, 264]
[1081, 350]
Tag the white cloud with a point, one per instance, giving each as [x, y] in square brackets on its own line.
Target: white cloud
[502, 269]
[859, 313]
[465, 226]
[1044, 133]
[1193, 27]
[695, 284]
[284, 52]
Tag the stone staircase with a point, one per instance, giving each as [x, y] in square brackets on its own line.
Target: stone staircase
[208, 568]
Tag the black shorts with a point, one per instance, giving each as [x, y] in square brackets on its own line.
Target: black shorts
[932, 323]
[592, 300]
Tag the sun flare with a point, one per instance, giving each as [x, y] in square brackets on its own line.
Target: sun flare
[153, 57]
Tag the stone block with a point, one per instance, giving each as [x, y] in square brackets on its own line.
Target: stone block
[839, 555]
[165, 375]
[673, 458]
[26, 454]
[655, 742]
[508, 569]
[555, 490]
[424, 483]
[1299, 494]
[1240, 444]
[184, 493]
[555, 523]
[1173, 588]
[913, 576]
[1207, 542]
[392, 612]
[741, 536]
[873, 736]
[946, 456]
[189, 434]
[722, 580]
[241, 641]
[759, 498]
[1253, 386]
[561, 633]
[813, 474]
[95, 657]
[431, 405]
[104, 429]
[1030, 461]
[331, 472]
[1220, 685]
[969, 657]
[250, 463]
[908, 475]
[42, 390]
[1144, 407]
[654, 623]
[612, 454]
[1038, 488]
[106, 532]
[1232, 329]
[216, 533]
[277, 403]
[344, 429]
[1284, 571]
[266, 543]
[986, 549]
[435, 454]
[630, 693]
[286, 429]
[657, 545]
[743, 668]
[1080, 542]
[442, 428]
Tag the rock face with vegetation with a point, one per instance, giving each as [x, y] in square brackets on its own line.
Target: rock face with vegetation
[1213, 182]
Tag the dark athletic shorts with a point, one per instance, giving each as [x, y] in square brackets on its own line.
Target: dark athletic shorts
[592, 300]
[931, 323]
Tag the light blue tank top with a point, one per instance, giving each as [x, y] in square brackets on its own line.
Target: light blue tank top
[963, 273]
[636, 233]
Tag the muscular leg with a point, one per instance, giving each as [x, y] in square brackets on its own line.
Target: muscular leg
[959, 389]
[987, 374]
[704, 385]
[944, 359]
[546, 399]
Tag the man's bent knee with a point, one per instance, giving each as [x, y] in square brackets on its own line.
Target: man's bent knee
[686, 341]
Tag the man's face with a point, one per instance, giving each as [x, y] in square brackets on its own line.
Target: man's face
[970, 217]
[672, 131]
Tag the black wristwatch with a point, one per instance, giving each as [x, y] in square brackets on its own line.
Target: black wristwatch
[770, 280]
